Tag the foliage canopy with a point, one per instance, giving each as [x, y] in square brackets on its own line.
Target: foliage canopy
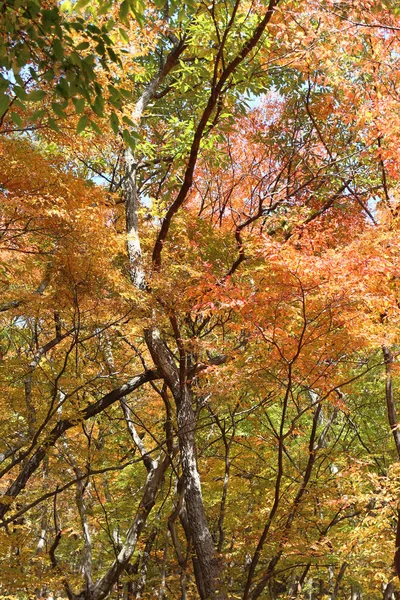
[199, 241]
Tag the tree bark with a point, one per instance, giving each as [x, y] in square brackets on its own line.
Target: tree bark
[141, 583]
[136, 269]
[207, 574]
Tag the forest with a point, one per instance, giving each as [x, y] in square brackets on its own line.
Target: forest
[200, 299]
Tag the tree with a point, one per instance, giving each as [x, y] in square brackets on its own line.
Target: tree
[236, 270]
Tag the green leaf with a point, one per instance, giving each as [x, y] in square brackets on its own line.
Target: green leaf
[98, 106]
[104, 7]
[95, 127]
[3, 84]
[107, 39]
[114, 122]
[124, 10]
[112, 54]
[62, 88]
[20, 92]
[116, 102]
[93, 28]
[126, 93]
[4, 104]
[83, 46]
[58, 50]
[82, 124]
[81, 4]
[79, 106]
[113, 90]
[19, 79]
[36, 96]
[124, 35]
[53, 125]
[33, 74]
[51, 15]
[66, 6]
[16, 118]
[74, 59]
[128, 121]
[58, 110]
[138, 8]
[38, 114]
[49, 75]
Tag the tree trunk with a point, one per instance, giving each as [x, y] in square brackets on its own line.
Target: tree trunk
[201, 537]
[207, 574]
